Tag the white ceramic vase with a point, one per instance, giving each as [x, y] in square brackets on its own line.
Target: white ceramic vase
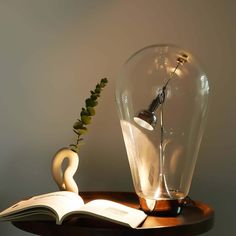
[65, 179]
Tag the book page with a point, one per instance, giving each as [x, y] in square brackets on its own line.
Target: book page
[59, 203]
[114, 212]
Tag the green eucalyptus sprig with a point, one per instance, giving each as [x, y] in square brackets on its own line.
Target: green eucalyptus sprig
[86, 114]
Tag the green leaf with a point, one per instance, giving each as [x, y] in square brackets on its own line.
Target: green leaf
[91, 111]
[73, 145]
[74, 148]
[97, 90]
[76, 131]
[90, 103]
[84, 113]
[94, 97]
[78, 124]
[104, 80]
[81, 142]
[82, 131]
[102, 84]
[86, 119]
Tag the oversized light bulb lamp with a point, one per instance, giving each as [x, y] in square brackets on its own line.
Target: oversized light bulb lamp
[162, 141]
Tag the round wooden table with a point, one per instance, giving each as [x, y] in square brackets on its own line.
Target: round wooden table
[194, 219]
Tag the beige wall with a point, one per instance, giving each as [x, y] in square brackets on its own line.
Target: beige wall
[53, 52]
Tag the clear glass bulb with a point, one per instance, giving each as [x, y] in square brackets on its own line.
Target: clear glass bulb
[162, 96]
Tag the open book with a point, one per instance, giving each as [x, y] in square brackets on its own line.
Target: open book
[62, 205]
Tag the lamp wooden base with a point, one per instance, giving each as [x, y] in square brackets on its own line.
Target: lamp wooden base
[163, 208]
